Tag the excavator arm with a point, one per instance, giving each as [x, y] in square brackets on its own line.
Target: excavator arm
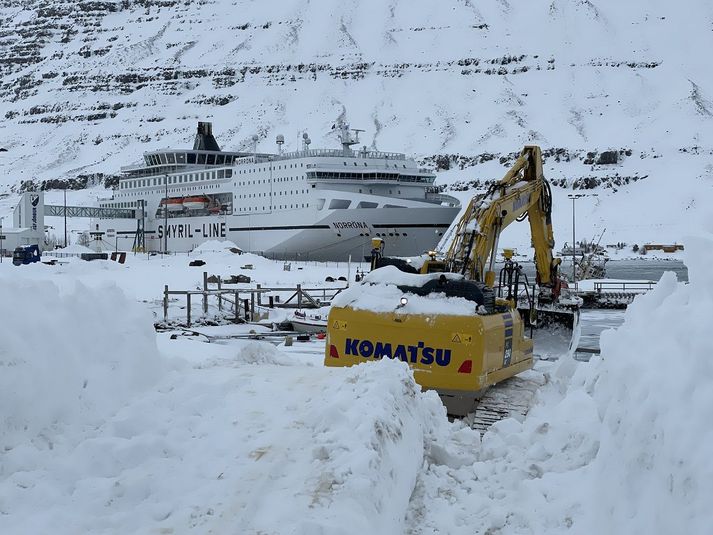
[522, 192]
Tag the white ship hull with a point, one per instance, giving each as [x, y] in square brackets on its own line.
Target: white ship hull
[336, 236]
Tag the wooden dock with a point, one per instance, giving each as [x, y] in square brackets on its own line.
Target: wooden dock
[243, 303]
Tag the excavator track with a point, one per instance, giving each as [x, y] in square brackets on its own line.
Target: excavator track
[512, 397]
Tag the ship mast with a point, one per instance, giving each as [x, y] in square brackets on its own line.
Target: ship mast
[348, 139]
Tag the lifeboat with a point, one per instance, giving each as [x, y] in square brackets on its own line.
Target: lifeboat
[195, 203]
[173, 205]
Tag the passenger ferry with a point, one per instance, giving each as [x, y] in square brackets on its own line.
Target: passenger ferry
[312, 204]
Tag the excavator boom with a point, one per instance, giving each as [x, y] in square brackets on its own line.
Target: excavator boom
[523, 191]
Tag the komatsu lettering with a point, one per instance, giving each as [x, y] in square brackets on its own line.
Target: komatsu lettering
[419, 353]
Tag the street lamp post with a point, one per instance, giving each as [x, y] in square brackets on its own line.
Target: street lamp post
[574, 197]
[65, 214]
[165, 217]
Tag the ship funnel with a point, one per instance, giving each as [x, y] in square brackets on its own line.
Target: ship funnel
[204, 138]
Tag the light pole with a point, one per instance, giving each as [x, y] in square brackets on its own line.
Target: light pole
[65, 213]
[574, 197]
[165, 216]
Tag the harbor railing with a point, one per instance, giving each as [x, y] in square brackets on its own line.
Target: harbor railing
[245, 304]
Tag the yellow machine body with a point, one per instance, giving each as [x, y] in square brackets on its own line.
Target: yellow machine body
[458, 356]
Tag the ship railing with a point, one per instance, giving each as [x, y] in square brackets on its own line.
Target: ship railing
[341, 153]
[368, 177]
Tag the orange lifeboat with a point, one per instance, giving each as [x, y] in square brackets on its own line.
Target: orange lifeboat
[196, 203]
[173, 205]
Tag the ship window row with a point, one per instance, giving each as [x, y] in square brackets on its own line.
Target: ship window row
[368, 176]
[276, 207]
[267, 168]
[179, 179]
[270, 194]
[395, 166]
[268, 180]
[167, 158]
[141, 193]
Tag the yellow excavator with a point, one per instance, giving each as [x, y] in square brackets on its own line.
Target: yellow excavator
[446, 317]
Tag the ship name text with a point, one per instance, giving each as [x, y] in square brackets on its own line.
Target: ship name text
[185, 230]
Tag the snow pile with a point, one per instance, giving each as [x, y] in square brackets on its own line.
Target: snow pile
[215, 246]
[236, 447]
[365, 428]
[379, 292]
[69, 358]
[619, 445]
[653, 472]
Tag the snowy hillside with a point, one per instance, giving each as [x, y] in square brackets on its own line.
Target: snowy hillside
[88, 86]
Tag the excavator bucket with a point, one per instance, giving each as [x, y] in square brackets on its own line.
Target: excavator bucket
[554, 330]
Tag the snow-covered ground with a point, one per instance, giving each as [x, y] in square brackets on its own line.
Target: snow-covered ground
[107, 427]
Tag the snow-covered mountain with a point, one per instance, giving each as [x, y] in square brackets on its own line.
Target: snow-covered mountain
[88, 86]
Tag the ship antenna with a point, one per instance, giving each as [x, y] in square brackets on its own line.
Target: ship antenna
[305, 141]
[347, 139]
[255, 139]
[280, 140]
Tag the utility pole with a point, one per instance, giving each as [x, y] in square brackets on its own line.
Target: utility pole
[165, 216]
[65, 213]
[574, 197]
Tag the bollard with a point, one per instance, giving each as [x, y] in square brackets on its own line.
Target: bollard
[188, 309]
[205, 295]
[165, 303]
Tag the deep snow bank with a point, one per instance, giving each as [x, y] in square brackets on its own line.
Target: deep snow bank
[652, 390]
[238, 444]
[349, 460]
[619, 445]
[69, 358]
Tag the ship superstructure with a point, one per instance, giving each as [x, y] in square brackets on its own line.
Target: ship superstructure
[316, 204]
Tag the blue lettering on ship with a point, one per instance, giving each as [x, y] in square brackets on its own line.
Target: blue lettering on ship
[419, 353]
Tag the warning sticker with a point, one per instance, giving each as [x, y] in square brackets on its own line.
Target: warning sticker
[462, 338]
[339, 325]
